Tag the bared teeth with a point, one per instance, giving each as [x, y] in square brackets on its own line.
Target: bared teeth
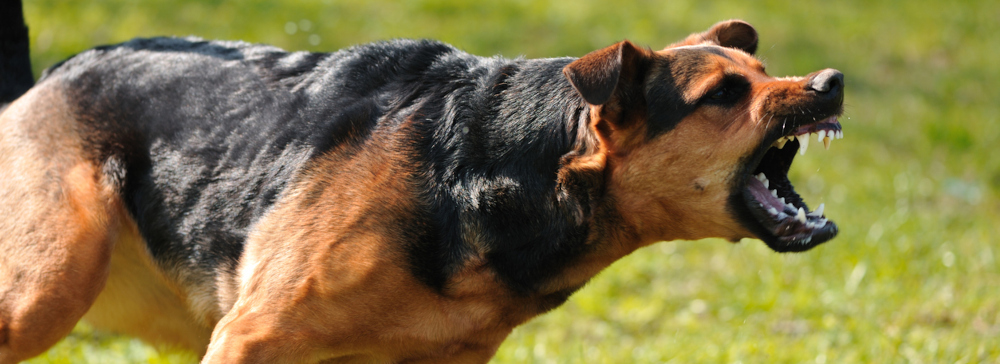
[824, 136]
[780, 143]
[808, 219]
[763, 179]
[818, 212]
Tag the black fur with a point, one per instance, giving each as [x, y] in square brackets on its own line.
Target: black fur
[208, 135]
[492, 160]
[667, 107]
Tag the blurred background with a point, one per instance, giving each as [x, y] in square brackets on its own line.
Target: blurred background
[914, 276]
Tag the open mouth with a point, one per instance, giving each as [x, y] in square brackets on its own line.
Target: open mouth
[787, 222]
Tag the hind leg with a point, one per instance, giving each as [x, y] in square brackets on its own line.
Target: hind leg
[57, 218]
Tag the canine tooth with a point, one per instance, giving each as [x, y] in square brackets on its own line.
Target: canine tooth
[818, 212]
[803, 143]
[775, 194]
[801, 216]
[820, 135]
[826, 143]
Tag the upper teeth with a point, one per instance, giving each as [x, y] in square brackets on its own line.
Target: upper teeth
[825, 136]
[803, 143]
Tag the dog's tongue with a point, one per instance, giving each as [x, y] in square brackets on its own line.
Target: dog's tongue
[761, 193]
[789, 220]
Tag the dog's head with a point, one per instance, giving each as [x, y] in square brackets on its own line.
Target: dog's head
[698, 139]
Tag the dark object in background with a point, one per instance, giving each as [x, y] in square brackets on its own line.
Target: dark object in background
[15, 63]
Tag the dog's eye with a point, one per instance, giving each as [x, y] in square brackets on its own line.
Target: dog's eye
[729, 92]
[720, 94]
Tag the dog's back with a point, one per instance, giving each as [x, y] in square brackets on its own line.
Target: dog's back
[205, 135]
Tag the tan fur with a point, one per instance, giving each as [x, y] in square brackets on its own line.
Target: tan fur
[57, 249]
[140, 301]
[676, 185]
[341, 296]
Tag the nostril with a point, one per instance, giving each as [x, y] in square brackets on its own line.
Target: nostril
[826, 81]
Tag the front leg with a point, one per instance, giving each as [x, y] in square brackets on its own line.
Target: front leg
[364, 308]
[299, 301]
[259, 338]
[250, 336]
[327, 276]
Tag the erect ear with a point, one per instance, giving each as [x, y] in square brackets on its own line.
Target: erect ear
[730, 33]
[597, 75]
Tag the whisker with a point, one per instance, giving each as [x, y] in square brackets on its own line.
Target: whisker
[742, 112]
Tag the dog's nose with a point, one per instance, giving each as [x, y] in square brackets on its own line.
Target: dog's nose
[828, 81]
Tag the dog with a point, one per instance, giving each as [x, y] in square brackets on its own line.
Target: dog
[401, 201]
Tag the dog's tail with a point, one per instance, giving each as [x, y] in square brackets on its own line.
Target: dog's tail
[15, 63]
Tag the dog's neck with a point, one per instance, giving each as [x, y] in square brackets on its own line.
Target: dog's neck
[501, 174]
[538, 215]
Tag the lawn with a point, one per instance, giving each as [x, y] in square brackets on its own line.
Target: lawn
[914, 276]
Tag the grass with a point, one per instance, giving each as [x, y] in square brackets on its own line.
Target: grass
[914, 276]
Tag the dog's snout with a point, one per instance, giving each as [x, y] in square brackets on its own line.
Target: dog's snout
[828, 81]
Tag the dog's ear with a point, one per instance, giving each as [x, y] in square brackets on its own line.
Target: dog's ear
[598, 74]
[730, 33]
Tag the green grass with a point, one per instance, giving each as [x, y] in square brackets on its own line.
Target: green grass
[914, 276]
